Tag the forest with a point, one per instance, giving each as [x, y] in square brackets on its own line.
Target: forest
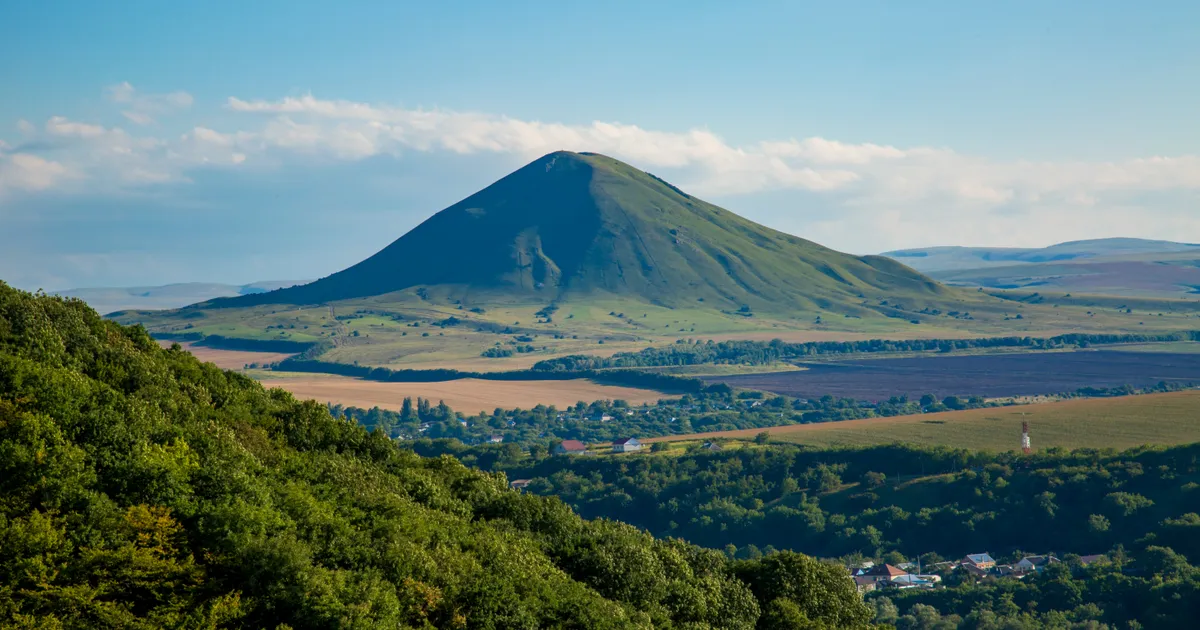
[140, 488]
[897, 503]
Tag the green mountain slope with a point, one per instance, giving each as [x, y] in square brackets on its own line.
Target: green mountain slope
[140, 488]
[570, 225]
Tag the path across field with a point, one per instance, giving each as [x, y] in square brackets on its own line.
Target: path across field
[996, 375]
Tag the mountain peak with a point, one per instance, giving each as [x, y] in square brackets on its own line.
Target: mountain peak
[569, 224]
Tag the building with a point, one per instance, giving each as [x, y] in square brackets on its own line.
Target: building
[496, 439]
[864, 584]
[600, 416]
[1029, 564]
[712, 446]
[979, 561]
[1092, 559]
[570, 447]
[519, 484]
[911, 581]
[626, 445]
[883, 573]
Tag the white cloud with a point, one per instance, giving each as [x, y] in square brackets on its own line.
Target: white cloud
[143, 108]
[60, 126]
[25, 172]
[867, 195]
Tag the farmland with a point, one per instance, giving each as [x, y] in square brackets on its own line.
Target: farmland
[469, 396]
[997, 375]
[1126, 422]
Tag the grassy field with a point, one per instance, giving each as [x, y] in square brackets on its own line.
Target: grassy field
[1161, 419]
[469, 396]
[400, 331]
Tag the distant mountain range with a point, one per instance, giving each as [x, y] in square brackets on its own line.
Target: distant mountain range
[167, 296]
[1115, 266]
[573, 225]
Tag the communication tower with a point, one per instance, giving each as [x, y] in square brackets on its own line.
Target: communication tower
[1025, 445]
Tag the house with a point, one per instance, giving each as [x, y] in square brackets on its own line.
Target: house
[1092, 559]
[973, 570]
[864, 584]
[884, 572]
[626, 445]
[496, 439]
[1029, 564]
[979, 561]
[570, 447]
[519, 484]
[712, 446]
[601, 417]
[911, 581]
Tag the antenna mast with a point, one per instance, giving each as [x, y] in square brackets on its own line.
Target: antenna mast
[1025, 444]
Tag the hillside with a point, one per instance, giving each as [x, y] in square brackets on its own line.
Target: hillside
[1120, 266]
[110, 299]
[953, 258]
[140, 488]
[570, 225]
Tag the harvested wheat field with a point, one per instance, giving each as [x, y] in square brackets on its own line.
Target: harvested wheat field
[1155, 419]
[229, 359]
[465, 395]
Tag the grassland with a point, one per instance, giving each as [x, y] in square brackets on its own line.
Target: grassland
[469, 396]
[1159, 419]
[402, 331]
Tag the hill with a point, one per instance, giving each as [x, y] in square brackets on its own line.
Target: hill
[572, 225]
[952, 258]
[167, 296]
[140, 488]
[1119, 266]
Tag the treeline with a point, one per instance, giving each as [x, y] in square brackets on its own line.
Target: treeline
[607, 420]
[767, 352]
[873, 501]
[236, 343]
[629, 378]
[141, 488]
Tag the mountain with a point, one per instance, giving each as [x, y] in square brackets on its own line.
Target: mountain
[570, 225]
[110, 299]
[1118, 266]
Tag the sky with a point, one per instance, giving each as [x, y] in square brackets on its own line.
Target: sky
[145, 143]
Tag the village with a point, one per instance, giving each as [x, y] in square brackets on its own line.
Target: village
[869, 576]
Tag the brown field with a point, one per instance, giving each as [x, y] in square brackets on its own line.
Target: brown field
[228, 359]
[1157, 419]
[469, 396]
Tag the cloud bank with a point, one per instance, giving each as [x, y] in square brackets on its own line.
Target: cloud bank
[857, 196]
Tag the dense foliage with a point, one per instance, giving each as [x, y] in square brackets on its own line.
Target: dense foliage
[875, 500]
[901, 502]
[715, 409]
[140, 488]
[767, 352]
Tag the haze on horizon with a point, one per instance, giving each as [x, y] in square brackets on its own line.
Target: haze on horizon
[252, 145]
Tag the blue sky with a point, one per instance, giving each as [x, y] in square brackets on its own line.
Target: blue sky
[150, 142]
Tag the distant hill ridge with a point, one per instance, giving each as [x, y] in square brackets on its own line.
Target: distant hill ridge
[574, 224]
[1128, 267]
[945, 258]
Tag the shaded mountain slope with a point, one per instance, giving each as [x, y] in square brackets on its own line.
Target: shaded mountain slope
[569, 225]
